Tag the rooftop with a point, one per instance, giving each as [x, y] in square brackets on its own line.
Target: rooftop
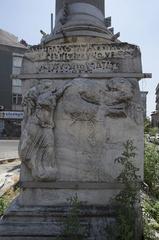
[8, 39]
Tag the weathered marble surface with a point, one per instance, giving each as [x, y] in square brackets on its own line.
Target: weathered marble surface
[83, 130]
[36, 148]
[81, 103]
[93, 117]
[50, 221]
[83, 56]
[92, 120]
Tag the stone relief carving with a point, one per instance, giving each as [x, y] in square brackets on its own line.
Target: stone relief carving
[36, 147]
[119, 94]
[97, 112]
[112, 98]
[90, 102]
[64, 17]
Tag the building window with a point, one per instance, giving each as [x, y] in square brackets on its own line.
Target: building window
[16, 90]
[17, 82]
[17, 99]
[16, 87]
[14, 98]
[17, 61]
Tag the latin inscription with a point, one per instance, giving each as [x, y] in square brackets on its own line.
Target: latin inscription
[70, 52]
[86, 67]
[80, 58]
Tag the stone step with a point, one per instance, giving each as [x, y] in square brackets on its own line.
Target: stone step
[29, 229]
[40, 230]
[29, 238]
[47, 214]
[47, 223]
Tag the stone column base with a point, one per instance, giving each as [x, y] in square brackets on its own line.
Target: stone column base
[44, 223]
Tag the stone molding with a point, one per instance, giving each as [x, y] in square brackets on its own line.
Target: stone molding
[72, 185]
[94, 76]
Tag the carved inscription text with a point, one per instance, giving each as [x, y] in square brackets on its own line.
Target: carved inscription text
[80, 58]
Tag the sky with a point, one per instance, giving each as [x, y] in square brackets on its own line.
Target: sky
[136, 20]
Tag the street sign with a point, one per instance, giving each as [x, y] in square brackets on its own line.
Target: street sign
[11, 115]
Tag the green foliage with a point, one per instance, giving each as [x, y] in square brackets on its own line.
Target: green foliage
[153, 131]
[3, 205]
[127, 198]
[156, 211]
[6, 199]
[149, 234]
[151, 218]
[151, 168]
[147, 125]
[128, 175]
[151, 202]
[73, 230]
[148, 129]
[151, 208]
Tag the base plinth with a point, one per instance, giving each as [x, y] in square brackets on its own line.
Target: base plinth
[27, 223]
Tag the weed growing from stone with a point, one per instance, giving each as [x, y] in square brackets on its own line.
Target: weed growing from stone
[7, 198]
[127, 201]
[72, 228]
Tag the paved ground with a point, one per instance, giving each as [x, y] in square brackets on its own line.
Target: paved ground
[8, 167]
[9, 171]
[8, 149]
[9, 175]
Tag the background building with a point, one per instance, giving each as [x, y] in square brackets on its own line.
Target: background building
[155, 115]
[157, 98]
[11, 54]
[16, 83]
[144, 103]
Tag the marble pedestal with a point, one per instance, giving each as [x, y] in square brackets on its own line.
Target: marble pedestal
[81, 104]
